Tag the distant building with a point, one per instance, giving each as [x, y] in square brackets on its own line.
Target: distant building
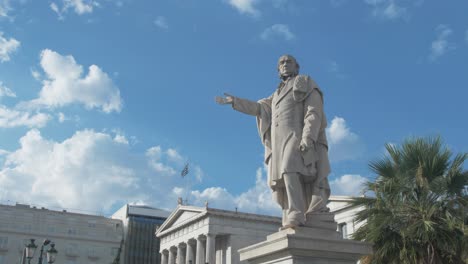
[140, 244]
[79, 238]
[199, 235]
[345, 214]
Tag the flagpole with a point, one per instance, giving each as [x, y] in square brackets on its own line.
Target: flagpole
[184, 173]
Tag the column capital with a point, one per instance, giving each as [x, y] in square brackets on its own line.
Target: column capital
[182, 245]
[173, 249]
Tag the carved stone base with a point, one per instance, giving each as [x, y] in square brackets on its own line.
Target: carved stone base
[318, 242]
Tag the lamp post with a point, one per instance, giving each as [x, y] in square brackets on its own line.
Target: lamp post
[51, 253]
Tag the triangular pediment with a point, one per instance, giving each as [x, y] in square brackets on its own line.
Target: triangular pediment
[181, 216]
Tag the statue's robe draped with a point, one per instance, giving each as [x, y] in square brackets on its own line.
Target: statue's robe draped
[291, 115]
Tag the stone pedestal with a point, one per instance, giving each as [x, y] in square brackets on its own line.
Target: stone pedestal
[317, 242]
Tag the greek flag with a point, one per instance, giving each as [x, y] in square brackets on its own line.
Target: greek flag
[184, 171]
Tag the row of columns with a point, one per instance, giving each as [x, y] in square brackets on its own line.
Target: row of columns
[194, 251]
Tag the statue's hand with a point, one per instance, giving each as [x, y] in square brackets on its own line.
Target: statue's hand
[228, 99]
[306, 145]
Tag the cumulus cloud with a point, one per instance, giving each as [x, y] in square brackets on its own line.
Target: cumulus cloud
[348, 184]
[277, 31]
[14, 118]
[387, 9]
[343, 143]
[7, 47]
[80, 7]
[93, 171]
[155, 160]
[75, 173]
[161, 23]
[5, 91]
[441, 44]
[65, 84]
[256, 199]
[245, 6]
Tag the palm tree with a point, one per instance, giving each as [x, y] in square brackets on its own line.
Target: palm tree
[419, 207]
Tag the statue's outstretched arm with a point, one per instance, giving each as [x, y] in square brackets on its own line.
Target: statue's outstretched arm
[242, 105]
[227, 99]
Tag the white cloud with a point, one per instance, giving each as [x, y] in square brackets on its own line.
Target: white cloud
[343, 144]
[277, 31]
[161, 23]
[64, 85]
[348, 184]
[5, 91]
[14, 118]
[155, 157]
[387, 9]
[121, 139]
[57, 10]
[441, 45]
[257, 199]
[90, 170]
[245, 6]
[80, 7]
[36, 75]
[174, 155]
[83, 171]
[61, 117]
[5, 7]
[7, 46]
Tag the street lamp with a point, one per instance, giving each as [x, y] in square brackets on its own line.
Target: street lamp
[51, 253]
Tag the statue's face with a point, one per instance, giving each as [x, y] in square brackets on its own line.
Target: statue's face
[287, 66]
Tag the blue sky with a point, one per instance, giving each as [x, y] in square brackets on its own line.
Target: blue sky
[102, 102]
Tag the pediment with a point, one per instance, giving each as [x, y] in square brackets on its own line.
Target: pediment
[181, 216]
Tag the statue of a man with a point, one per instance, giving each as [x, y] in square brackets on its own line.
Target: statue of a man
[291, 123]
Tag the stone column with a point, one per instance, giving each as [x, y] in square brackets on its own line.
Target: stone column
[189, 253]
[172, 255]
[210, 249]
[164, 256]
[180, 254]
[200, 250]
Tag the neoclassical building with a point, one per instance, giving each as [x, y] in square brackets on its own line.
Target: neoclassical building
[199, 235]
[345, 214]
[79, 238]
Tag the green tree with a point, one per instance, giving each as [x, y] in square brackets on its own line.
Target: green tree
[418, 211]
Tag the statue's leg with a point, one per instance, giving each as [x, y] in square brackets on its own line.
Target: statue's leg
[294, 215]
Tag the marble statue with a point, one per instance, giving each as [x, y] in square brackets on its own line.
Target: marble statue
[291, 123]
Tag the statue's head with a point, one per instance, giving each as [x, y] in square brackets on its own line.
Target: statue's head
[287, 66]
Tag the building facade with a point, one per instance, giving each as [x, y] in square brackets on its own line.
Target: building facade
[345, 214]
[79, 238]
[140, 223]
[199, 235]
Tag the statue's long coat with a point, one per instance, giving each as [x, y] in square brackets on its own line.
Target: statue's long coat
[291, 114]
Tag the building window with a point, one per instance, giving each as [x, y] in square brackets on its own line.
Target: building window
[72, 250]
[71, 231]
[92, 224]
[343, 230]
[3, 242]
